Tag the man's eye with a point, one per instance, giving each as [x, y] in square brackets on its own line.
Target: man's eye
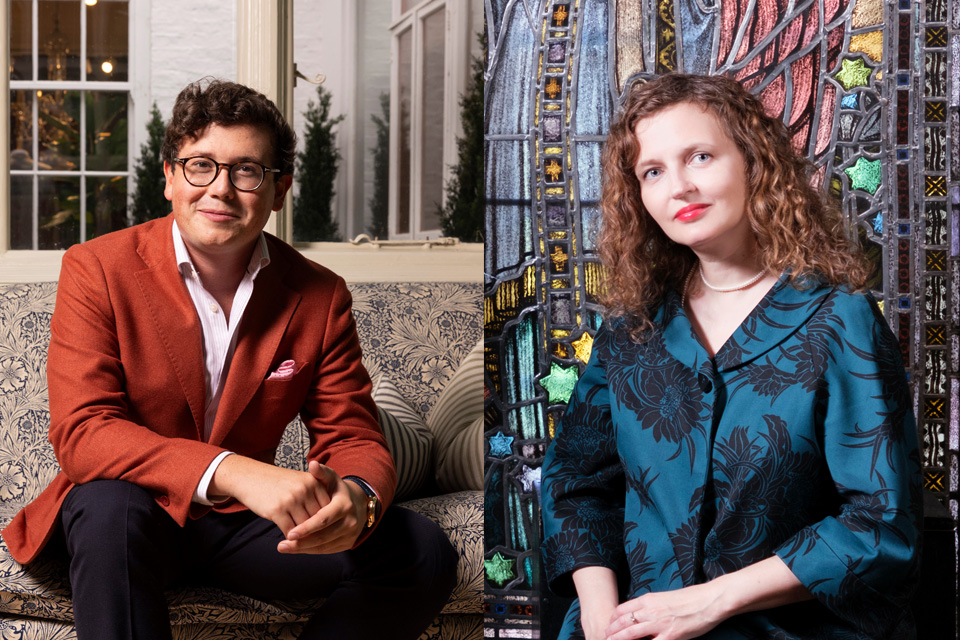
[201, 165]
[246, 169]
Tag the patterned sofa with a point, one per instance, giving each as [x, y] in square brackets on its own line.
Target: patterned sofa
[415, 336]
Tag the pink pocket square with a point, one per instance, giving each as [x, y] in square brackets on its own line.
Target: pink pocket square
[284, 371]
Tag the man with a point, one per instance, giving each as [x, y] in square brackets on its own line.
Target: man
[180, 350]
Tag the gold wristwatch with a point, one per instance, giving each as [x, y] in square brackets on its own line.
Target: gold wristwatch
[373, 503]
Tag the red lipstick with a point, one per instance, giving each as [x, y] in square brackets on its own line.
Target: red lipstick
[690, 212]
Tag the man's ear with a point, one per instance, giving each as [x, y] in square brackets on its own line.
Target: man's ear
[168, 179]
[280, 190]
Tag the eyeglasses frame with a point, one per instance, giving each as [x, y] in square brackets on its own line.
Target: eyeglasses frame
[183, 164]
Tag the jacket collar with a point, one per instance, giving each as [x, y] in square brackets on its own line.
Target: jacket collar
[780, 313]
[172, 313]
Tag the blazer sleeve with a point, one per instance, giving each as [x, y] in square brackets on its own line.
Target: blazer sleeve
[583, 488]
[863, 562]
[339, 412]
[91, 429]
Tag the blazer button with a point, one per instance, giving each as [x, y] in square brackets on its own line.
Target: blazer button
[164, 500]
[705, 383]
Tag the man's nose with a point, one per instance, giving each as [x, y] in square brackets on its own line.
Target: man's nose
[221, 184]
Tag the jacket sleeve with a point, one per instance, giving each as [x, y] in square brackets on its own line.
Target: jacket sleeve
[583, 483]
[863, 562]
[339, 412]
[93, 433]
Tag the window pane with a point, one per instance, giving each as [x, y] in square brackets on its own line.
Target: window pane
[431, 181]
[59, 40]
[106, 205]
[21, 53]
[21, 130]
[106, 131]
[406, 158]
[406, 5]
[21, 212]
[59, 207]
[107, 26]
[59, 130]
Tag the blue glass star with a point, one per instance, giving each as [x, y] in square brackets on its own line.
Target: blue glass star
[501, 445]
[850, 101]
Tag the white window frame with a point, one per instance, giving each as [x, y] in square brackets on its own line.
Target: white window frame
[456, 74]
[44, 265]
[365, 263]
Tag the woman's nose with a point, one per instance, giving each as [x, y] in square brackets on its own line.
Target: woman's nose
[682, 184]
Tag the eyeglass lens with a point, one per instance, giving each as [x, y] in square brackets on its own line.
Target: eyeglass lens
[200, 172]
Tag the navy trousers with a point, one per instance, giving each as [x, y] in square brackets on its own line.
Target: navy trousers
[125, 551]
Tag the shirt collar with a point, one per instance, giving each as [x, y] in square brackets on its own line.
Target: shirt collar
[258, 259]
[784, 309]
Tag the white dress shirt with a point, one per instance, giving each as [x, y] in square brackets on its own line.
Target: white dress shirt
[219, 336]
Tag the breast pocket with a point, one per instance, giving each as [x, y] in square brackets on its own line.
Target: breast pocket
[288, 387]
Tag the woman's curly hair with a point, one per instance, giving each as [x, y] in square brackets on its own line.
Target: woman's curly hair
[795, 226]
[212, 101]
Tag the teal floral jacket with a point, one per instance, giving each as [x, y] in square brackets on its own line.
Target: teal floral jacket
[796, 439]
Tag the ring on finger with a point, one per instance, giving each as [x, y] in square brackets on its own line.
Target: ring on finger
[633, 618]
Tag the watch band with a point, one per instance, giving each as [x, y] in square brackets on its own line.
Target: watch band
[373, 502]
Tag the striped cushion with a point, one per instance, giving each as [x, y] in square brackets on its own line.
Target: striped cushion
[456, 422]
[407, 437]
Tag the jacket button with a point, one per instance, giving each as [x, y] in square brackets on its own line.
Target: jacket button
[164, 500]
[705, 383]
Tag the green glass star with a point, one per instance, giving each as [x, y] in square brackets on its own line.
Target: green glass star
[559, 384]
[499, 569]
[865, 175]
[853, 73]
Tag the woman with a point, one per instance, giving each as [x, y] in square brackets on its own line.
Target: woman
[739, 458]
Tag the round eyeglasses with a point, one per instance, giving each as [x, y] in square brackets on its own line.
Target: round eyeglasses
[244, 176]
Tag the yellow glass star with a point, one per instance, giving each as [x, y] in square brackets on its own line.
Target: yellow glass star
[583, 347]
[560, 15]
[553, 170]
[558, 257]
[552, 88]
[853, 73]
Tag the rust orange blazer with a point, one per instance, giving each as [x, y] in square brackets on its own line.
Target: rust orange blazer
[126, 378]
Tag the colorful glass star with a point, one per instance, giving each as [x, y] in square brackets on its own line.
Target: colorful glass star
[501, 445]
[853, 73]
[530, 479]
[560, 382]
[583, 347]
[499, 569]
[850, 101]
[553, 170]
[865, 174]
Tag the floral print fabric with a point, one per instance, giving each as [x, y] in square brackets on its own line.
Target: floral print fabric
[797, 439]
[402, 326]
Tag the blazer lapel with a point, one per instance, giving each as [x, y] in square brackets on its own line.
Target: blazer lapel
[174, 316]
[263, 326]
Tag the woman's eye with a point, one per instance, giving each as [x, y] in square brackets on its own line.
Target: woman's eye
[701, 157]
[651, 173]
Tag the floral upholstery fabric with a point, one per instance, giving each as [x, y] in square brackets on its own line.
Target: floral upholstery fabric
[416, 332]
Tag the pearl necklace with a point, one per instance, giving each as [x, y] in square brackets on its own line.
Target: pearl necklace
[742, 285]
[686, 284]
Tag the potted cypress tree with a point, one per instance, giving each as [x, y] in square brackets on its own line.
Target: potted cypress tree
[317, 167]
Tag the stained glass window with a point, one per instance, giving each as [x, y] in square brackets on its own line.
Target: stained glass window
[867, 92]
